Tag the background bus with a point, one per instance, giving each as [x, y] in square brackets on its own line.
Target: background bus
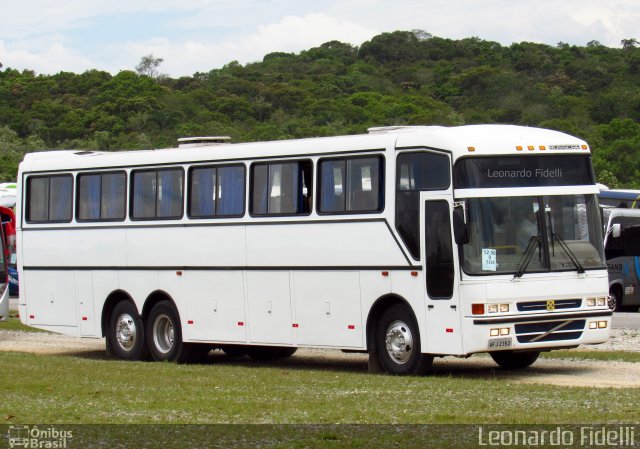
[9, 231]
[405, 243]
[4, 287]
[621, 217]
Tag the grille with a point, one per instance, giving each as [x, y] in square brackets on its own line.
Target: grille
[530, 331]
[542, 305]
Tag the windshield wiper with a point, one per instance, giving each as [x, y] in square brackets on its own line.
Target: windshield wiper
[567, 250]
[526, 257]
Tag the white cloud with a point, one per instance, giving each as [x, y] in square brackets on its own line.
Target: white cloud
[51, 57]
[198, 35]
[291, 34]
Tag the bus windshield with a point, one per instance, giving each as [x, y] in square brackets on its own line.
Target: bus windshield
[513, 235]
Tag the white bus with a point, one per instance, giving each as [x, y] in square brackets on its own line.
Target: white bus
[406, 243]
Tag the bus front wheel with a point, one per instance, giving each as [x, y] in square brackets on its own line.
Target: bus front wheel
[514, 360]
[164, 334]
[398, 343]
[126, 339]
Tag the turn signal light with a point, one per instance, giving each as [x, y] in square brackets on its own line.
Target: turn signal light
[477, 309]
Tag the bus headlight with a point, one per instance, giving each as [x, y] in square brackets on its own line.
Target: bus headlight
[600, 302]
[495, 308]
[597, 324]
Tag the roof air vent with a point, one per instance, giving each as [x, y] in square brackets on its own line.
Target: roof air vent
[190, 142]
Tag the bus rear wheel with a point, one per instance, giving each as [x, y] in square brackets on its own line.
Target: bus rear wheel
[164, 334]
[398, 343]
[514, 360]
[126, 339]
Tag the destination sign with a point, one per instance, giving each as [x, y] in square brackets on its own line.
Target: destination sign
[527, 171]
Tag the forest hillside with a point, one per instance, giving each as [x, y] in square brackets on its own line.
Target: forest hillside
[399, 78]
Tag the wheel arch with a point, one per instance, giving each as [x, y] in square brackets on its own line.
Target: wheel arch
[618, 286]
[153, 299]
[109, 304]
[376, 311]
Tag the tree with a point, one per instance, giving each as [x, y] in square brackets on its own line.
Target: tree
[148, 66]
[628, 44]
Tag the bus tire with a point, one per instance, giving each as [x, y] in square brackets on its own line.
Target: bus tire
[398, 343]
[164, 334]
[126, 336]
[615, 298]
[513, 360]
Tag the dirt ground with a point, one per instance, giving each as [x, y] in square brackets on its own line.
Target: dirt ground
[563, 372]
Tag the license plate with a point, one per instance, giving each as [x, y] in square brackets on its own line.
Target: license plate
[500, 342]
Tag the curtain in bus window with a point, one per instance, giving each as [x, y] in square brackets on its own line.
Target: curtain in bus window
[203, 181]
[291, 197]
[169, 193]
[89, 197]
[144, 194]
[306, 187]
[363, 184]
[283, 189]
[231, 191]
[260, 189]
[332, 193]
[38, 194]
[113, 196]
[60, 191]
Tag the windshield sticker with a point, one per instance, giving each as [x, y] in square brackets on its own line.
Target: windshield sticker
[489, 259]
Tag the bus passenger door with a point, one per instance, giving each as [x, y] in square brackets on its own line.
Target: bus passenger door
[441, 274]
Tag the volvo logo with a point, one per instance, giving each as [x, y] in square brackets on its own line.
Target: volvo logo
[551, 305]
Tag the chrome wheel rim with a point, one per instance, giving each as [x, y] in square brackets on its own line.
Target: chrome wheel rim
[126, 332]
[163, 333]
[399, 342]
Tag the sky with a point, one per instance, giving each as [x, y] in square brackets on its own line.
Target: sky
[50, 36]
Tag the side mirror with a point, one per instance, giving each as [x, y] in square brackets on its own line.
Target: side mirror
[460, 230]
[616, 230]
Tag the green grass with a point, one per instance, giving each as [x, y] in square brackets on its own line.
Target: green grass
[13, 324]
[93, 389]
[620, 356]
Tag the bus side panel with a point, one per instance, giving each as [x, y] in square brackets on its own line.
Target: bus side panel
[199, 246]
[74, 248]
[269, 311]
[215, 306]
[51, 298]
[327, 309]
[89, 326]
[323, 245]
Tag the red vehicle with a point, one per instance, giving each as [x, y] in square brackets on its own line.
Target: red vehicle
[9, 228]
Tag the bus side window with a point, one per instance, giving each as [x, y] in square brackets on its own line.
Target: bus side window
[416, 172]
[157, 194]
[216, 191]
[351, 185]
[101, 196]
[281, 188]
[49, 199]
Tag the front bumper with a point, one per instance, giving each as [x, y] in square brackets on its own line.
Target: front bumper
[538, 331]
